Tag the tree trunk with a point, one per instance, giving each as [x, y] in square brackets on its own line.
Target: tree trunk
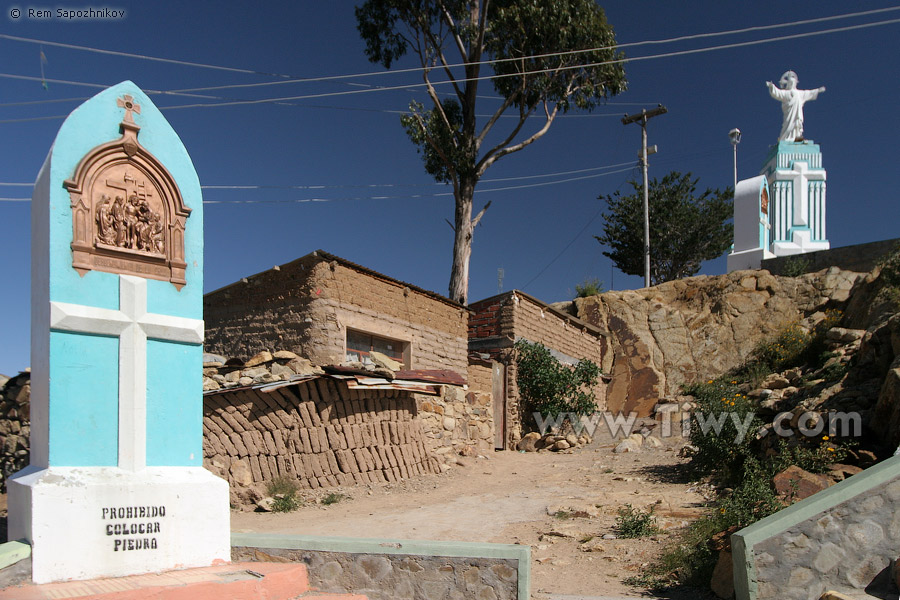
[462, 243]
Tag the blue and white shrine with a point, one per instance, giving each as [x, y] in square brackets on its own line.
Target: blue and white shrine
[116, 484]
[781, 212]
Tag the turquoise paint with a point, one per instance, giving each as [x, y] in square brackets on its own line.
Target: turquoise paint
[174, 417]
[84, 414]
[174, 399]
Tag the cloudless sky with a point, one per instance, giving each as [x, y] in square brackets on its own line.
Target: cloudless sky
[337, 172]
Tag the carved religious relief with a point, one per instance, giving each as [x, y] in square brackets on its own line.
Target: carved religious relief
[764, 202]
[128, 215]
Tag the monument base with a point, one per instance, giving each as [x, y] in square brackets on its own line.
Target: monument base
[747, 259]
[90, 522]
[798, 246]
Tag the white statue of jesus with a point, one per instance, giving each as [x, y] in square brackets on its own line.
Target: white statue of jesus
[792, 101]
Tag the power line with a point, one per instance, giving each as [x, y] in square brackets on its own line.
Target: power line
[297, 79]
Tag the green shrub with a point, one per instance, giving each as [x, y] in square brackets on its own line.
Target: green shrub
[333, 498]
[721, 453]
[795, 266]
[283, 491]
[634, 523]
[549, 387]
[589, 287]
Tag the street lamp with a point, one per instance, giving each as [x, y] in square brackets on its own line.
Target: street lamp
[735, 136]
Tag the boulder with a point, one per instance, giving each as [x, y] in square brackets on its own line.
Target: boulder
[794, 484]
[699, 327]
[260, 358]
[382, 360]
[627, 445]
[528, 442]
[722, 582]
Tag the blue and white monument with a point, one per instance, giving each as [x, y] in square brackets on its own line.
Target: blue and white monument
[782, 211]
[116, 484]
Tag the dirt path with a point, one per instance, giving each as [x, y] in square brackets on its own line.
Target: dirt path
[552, 502]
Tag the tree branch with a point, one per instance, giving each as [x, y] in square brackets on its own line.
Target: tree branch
[480, 214]
[507, 102]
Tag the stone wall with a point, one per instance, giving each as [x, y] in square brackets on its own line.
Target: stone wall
[700, 327]
[458, 422]
[399, 569]
[860, 257]
[15, 425]
[307, 306]
[840, 539]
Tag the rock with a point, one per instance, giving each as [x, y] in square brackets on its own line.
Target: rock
[241, 473]
[302, 366]
[652, 442]
[572, 439]
[840, 472]
[448, 423]
[845, 336]
[627, 445]
[638, 438]
[209, 360]
[284, 355]
[210, 384]
[795, 484]
[260, 358]
[265, 505]
[722, 582]
[776, 381]
[382, 360]
[528, 442]
[610, 536]
[561, 445]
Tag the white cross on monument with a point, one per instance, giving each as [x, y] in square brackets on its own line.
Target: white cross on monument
[133, 325]
[800, 176]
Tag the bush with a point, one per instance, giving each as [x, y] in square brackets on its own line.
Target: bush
[283, 491]
[633, 523]
[333, 498]
[795, 266]
[549, 387]
[589, 287]
[721, 451]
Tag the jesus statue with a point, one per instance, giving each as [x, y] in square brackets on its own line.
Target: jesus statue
[792, 101]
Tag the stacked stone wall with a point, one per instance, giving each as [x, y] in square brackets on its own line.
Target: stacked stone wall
[307, 306]
[318, 432]
[458, 422]
[15, 425]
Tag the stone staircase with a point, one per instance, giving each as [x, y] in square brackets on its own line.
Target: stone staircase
[235, 581]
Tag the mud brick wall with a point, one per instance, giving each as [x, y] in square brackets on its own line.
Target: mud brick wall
[317, 431]
[15, 425]
[307, 306]
[480, 376]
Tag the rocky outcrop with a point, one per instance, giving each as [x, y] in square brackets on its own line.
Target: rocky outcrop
[700, 327]
[15, 415]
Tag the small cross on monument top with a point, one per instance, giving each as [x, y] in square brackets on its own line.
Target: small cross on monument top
[127, 102]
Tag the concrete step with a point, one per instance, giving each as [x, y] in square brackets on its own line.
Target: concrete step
[235, 581]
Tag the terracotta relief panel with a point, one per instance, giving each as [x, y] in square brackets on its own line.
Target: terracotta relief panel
[128, 216]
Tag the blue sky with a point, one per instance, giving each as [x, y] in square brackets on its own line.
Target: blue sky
[373, 202]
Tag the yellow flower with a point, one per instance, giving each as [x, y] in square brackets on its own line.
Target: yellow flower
[831, 449]
[824, 437]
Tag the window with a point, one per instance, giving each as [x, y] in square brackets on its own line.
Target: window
[360, 344]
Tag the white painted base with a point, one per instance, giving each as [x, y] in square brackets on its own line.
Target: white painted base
[798, 246]
[90, 522]
[747, 259]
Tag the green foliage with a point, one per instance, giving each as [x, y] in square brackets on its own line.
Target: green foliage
[549, 387]
[589, 287]
[634, 523]
[477, 36]
[723, 453]
[562, 515]
[795, 266]
[685, 228]
[283, 490]
[333, 498]
[782, 352]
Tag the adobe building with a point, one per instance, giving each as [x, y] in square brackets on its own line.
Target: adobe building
[499, 322]
[330, 310]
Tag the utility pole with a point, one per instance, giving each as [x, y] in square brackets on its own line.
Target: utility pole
[642, 118]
